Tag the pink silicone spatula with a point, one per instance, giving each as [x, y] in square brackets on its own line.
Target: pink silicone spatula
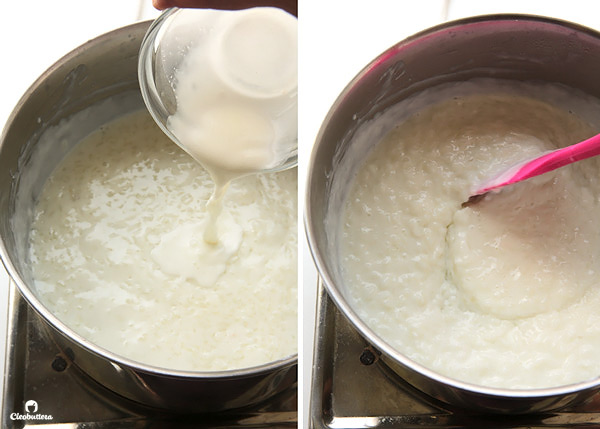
[544, 163]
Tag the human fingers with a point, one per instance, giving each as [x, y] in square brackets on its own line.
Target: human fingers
[290, 6]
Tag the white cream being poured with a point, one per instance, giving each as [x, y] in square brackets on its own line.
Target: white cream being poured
[236, 94]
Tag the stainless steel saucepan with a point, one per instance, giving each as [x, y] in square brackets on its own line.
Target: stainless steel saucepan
[101, 77]
[518, 47]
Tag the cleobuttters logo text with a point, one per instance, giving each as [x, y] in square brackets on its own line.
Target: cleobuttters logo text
[31, 413]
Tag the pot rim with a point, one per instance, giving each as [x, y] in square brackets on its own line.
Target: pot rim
[330, 285]
[64, 329]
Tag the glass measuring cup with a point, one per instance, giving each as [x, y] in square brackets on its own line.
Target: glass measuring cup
[259, 95]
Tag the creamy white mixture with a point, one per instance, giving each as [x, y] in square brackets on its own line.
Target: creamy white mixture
[236, 89]
[236, 93]
[117, 254]
[502, 293]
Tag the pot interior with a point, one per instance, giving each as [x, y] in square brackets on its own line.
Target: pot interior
[519, 48]
[514, 48]
[88, 87]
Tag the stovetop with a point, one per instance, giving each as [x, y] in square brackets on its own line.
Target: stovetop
[352, 389]
[42, 388]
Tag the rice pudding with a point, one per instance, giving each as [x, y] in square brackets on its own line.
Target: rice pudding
[118, 256]
[502, 293]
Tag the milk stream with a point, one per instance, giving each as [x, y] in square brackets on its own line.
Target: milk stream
[236, 98]
[214, 207]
